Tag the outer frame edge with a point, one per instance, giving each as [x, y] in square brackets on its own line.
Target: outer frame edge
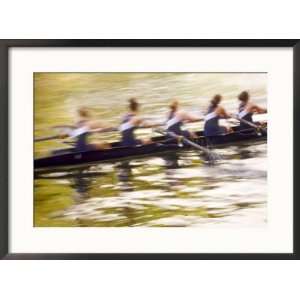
[296, 149]
[4, 151]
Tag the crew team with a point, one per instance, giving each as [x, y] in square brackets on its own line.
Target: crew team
[174, 122]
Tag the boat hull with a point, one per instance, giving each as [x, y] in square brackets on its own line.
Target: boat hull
[68, 157]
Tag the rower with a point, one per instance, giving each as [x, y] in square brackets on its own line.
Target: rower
[129, 123]
[214, 113]
[176, 118]
[83, 127]
[247, 108]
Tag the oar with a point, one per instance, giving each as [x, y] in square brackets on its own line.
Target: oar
[65, 130]
[211, 156]
[47, 138]
[259, 128]
[71, 132]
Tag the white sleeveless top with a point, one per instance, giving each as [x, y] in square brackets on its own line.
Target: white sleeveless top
[210, 116]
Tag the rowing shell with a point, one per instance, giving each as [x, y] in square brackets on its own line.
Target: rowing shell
[69, 157]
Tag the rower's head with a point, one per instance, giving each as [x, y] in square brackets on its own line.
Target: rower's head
[216, 100]
[133, 105]
[244, 96]
[174, 105]
[83, 112]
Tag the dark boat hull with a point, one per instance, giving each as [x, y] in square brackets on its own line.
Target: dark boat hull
[68, 157]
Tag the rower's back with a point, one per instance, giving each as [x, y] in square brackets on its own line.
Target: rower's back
[245, 111]
[128, 127]
[81, 143]
[174, 122]
[127, 130]
[211, 125]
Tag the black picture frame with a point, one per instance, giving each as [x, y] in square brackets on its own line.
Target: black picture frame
[5, 45]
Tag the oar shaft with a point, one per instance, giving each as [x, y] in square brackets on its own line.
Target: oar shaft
[187, 141]
[47, 138]
[251, 125]
[73, 133]
[248, 123]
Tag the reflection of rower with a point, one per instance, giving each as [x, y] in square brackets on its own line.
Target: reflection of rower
[81, 182]
[176, 118]
[172, 178]
[83, 127]
[130, 122]
[214, 114]
[246, 110]
[125, 176]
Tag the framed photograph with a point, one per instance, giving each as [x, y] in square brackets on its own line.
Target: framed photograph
[149, 149]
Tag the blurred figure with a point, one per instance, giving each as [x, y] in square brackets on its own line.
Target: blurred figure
[83, 127]
[130, 122]
[214, 113]
[247, 108]
[176, 118]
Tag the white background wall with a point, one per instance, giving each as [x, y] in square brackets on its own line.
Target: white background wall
[147, 279]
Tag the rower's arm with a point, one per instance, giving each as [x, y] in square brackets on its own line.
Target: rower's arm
[98, 127]
[64, 130]
[95, 125]
[141, 122]
[147, 124]
[102, 130]
[188, 118]
[258, 109]
[222, 113]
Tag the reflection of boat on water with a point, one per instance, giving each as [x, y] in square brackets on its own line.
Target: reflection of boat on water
[82, 178]
[128, 181]
[171, 189]
[70, 158]
[124, 170]
[171, 161]
[172, 164]
[79, 179]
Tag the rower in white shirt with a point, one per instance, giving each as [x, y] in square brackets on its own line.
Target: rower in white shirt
[176, 118]
[247, 108]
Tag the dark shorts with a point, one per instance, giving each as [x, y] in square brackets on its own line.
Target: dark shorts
[87, 147]
[215, 131]
[186, 134]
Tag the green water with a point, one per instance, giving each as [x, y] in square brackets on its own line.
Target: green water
[155, 191]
